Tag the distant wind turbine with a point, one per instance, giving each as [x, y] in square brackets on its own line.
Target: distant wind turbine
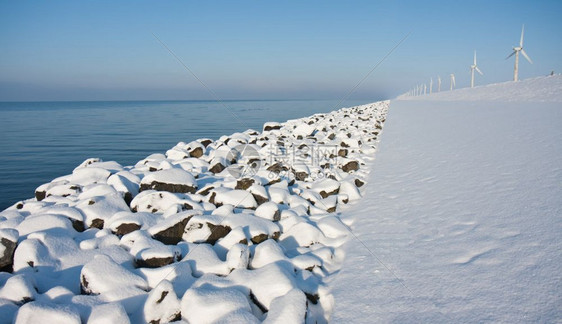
[424, 88]
[472, 68]
[430, 85]
[438, 83]
[452, 81]
[516, 51]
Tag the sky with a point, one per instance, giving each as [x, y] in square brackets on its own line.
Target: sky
[106, 50]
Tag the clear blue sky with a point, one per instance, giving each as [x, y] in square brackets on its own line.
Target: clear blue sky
[104, 50]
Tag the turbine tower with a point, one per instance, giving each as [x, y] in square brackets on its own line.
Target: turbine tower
[472, 68]
[516, 51]
[438, 83]
[452, 81]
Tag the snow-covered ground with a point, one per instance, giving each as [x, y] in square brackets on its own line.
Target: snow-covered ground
[462, 216]
[539, 89]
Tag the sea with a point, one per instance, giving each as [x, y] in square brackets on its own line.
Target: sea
[40, 141]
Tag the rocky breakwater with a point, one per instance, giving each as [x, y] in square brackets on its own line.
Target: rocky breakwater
[244, 228]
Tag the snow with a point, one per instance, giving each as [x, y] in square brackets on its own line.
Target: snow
[172, 176]
[108, 313]
[102, 275]
[289, 308]
[208, 304]
[36, 312]
[461, 217]
[236, 198]
[540, 89]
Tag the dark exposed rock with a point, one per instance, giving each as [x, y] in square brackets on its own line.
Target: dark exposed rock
[97, 223]
[127, 228]
[350, 166]
[196, 152]
[259, 238]
[206, 142]
[277, 168]
[313, 298]
[84, 289]
[206, 191]
[276, 216]
[169, 187]
[271, 127]
[40, 195]
[343, 144]
[332, 136]
[325, 194]
[128, 197]
[78, 225]
[172, 235]
[260, 199]
[154, 262]
[244, 183]
[343, 152]
[217, 168]
[217, 232]
[300, 176]
[164, 294]
[7, 258]
[359, 183]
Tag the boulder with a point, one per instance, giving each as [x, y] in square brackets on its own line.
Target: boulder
[171, 180]
[8, 242]
[350, 166]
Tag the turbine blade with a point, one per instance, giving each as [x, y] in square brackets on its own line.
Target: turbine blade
[478, 70]
[474, 57]
[522, 32]
[526, 56]
[510, 55]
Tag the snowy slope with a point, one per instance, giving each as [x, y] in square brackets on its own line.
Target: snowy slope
[540, 89]
[462, 213]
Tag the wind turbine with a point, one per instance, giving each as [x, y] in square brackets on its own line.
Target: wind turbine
[438, 83]
[452, 81]
[430, 85]
[516, 51]
[472, 68]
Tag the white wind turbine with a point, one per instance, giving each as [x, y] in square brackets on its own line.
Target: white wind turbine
[472, 68]
[452, 81]
[438, 83]
[516, 51]
[430, 85]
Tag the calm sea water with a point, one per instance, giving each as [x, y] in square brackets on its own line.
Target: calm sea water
[40, 141]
